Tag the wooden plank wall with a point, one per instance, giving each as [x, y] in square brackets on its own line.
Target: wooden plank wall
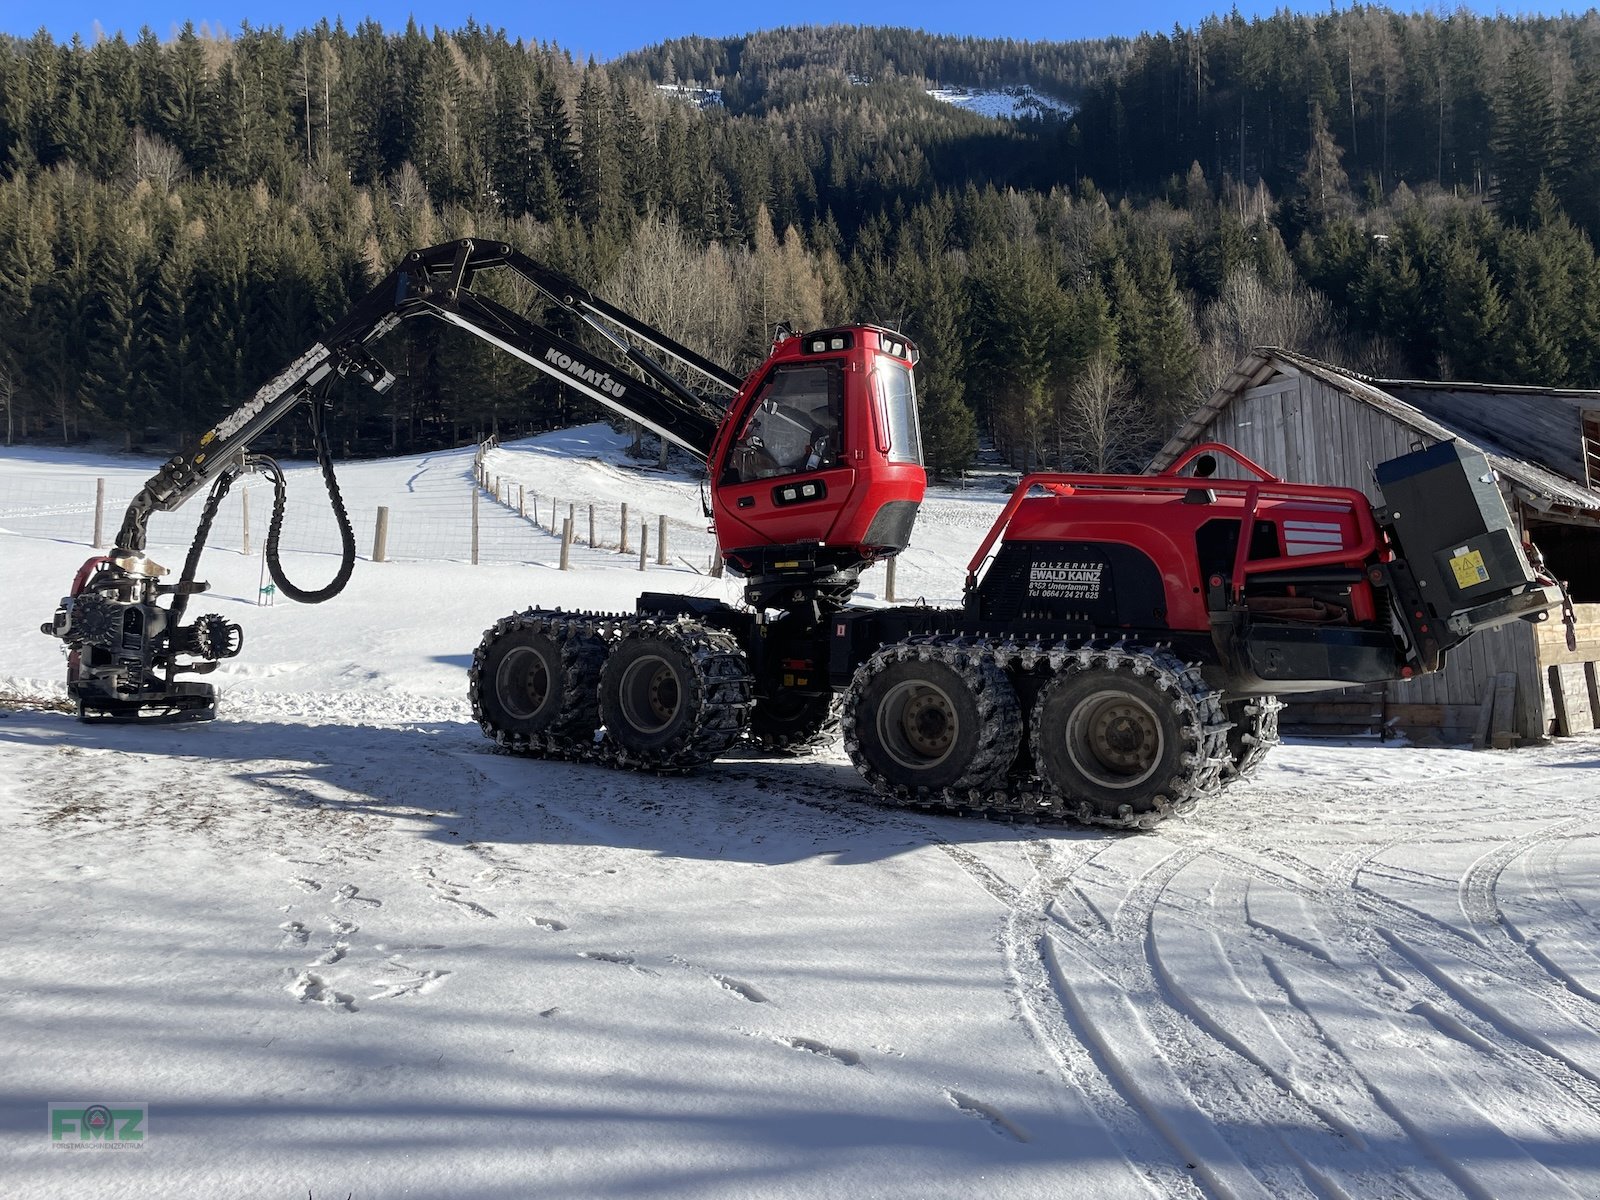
[1302, 429]
[1575, 671]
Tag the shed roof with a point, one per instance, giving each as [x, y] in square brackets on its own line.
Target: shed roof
[1534, 437]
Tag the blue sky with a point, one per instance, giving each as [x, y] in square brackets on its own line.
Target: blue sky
[606, 30]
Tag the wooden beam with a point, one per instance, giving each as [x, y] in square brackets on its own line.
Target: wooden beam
[1569, 692]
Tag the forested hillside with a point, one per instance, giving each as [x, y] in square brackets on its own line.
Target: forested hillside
[1411, 194]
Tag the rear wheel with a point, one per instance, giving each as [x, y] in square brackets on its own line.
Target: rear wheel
[928, 718]
[1121, 739]
[674, 696]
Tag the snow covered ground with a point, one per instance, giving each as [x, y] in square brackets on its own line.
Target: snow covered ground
[341, 948]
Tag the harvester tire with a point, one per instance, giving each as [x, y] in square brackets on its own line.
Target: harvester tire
[1254, 733]
[534, 682]
[790, 722]
[923, 719]
[674, 696]
[1123, 740]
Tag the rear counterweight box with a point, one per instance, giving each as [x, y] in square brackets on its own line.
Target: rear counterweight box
[1453, 528]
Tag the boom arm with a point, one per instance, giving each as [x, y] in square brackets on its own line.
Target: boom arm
[125, 648]
[438, 282]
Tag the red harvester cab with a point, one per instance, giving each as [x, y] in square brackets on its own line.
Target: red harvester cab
[818, 468]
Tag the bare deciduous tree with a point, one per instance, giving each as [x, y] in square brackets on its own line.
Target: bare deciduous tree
[1253, 312]
[1111, 428]
[157, 161]
[7, 393]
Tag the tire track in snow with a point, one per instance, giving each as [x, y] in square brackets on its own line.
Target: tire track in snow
[1453, 968]
[1025, 939]
[1519, 1081]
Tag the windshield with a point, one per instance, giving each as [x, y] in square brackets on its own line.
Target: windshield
[795, 425]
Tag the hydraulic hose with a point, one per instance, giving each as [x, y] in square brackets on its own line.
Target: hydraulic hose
[347, 535]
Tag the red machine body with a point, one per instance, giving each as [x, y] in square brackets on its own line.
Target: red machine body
[1188, 528]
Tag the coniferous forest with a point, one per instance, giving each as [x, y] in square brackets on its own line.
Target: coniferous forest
[1405, 194]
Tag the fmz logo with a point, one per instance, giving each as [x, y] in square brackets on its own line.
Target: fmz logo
[79, 1126]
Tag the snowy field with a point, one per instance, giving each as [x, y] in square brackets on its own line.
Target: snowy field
[342, 949]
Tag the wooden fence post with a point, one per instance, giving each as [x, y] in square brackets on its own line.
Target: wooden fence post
[474, 526]
[661, 542]
[552, 514]
[380, 535]
[522, 500]
[888, 590]
[244, 518]
[644, 542]
[591, 526]
[566, 544]
[623, 549]
[99, 514]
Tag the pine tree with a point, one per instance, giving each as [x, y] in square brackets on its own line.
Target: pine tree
[1524, 141]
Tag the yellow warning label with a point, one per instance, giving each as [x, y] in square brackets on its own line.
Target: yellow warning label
[1469, 569]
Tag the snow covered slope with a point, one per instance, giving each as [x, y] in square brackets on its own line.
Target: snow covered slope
[341, 948]
[1011, 103]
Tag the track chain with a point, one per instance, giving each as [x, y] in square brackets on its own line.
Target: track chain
[1253, 735]
[586, 639]
[1027, 797]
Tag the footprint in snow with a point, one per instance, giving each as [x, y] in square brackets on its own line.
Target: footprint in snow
[295, 935]
[351, 894]
[622, 960]
[1003, 1125]
[311, 988]
[743, 990]
[848, 1057]
[332, 954]
[412, 982]
[550, 923]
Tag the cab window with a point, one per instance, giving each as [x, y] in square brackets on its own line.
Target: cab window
[897, 401]
[796, 425]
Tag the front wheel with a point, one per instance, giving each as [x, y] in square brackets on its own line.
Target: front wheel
[923, 719]
[533, 679]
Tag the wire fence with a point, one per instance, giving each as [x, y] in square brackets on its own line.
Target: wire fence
[459, 513]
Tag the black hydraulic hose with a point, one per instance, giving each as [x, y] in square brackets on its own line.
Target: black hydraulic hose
[347, 535]
[191, 564]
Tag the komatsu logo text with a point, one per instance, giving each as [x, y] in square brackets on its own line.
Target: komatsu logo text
[596, 379]
[1065, 580]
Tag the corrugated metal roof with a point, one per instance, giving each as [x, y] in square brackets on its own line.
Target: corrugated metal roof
[1538, 482]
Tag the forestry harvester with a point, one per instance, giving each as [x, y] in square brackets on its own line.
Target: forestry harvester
[1117, 655]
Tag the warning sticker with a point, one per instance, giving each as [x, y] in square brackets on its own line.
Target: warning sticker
[1065, 580]
[1469, 568]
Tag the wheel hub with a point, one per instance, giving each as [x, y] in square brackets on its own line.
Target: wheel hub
[523, 683]
[928, 723]
[650, 693]
[663, 693]
[1115, 739]
[918, 724]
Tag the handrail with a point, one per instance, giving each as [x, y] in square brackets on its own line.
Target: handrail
[1194, 452]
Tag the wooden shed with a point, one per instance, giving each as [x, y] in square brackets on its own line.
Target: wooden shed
[1310, 422]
